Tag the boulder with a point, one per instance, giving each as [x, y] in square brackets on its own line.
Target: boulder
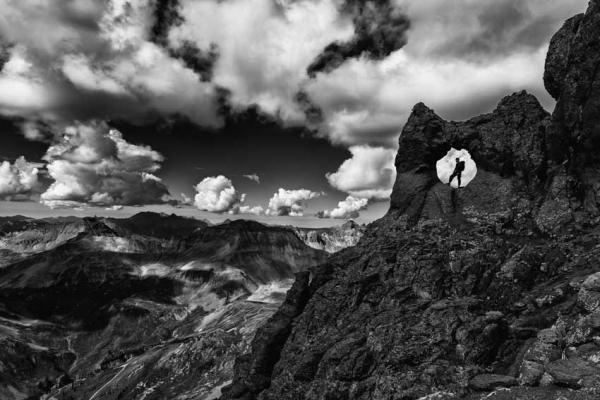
[570, 372]
[492, 381]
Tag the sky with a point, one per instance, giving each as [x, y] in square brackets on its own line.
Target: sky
[283, 111]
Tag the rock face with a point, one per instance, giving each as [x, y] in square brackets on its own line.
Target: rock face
[456, 292]
[491, 381]
[572, 78]
[253, 375]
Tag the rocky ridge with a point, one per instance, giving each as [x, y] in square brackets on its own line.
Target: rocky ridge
[491, 291]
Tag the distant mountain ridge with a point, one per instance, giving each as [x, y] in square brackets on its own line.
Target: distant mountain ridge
[160, 225]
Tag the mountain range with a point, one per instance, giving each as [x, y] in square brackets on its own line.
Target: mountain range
[154, 305]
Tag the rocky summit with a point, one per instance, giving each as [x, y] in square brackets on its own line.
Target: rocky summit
[487, 292]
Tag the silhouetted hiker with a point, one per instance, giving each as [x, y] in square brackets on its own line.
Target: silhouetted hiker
[460, 167]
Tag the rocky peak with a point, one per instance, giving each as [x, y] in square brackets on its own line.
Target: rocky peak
[96, 227]
[558, 57]
[508, 146]
[572, 78]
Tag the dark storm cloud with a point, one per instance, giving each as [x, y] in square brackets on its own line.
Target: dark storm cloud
[4, 54]
[380, 29]
[166, 16]
[199, 61]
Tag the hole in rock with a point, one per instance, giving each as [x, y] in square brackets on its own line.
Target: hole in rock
[446, 165]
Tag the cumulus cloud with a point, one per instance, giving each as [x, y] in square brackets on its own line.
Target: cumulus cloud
[31, 130]
[290, 202]
[253, 177]
[445, 167]
[104, 65]
[380, 30]
[264, 47]
[92, 164]
[217, 194]
[369, 174]
[114, 208]
[348, 208]
[186, 200]
[18, 180]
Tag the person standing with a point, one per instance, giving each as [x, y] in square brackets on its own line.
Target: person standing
[458, 169]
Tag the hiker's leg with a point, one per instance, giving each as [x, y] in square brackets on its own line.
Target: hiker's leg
[458, 177]
[451, 177]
